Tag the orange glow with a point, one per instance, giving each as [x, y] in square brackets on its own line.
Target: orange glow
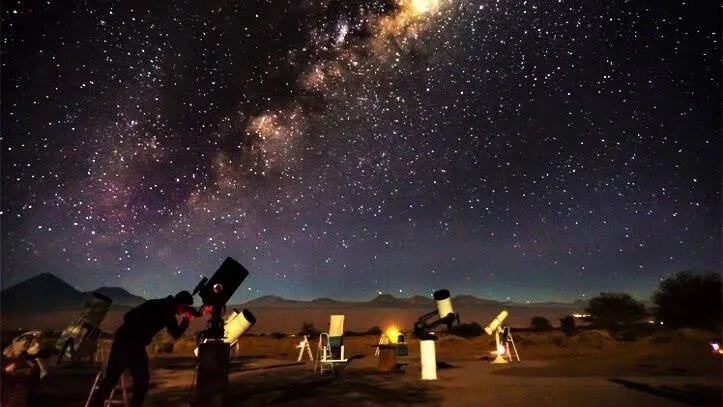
[392, 333]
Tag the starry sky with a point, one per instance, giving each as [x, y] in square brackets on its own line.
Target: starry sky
[526, 150]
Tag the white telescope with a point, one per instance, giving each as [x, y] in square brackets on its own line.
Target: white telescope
[444, 303]
[492, 327]
[235, 325]
[495, 327]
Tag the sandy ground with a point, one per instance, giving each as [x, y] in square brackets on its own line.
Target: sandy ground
[555, 371]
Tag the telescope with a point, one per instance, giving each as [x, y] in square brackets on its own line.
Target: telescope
[213, 351]
[503, 337]
[424, 327]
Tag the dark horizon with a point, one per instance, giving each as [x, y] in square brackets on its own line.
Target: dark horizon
[310, 299]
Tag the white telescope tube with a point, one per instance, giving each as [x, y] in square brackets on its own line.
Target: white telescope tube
[236, 324]
[444, 303]
[490, 329]
[444, 307]
[428, 355]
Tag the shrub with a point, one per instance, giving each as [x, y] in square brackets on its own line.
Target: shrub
[278, 335]
[689, 300]
[375, 330]
[615, 310]
[308, 329]
[540, 324]
[567, 325]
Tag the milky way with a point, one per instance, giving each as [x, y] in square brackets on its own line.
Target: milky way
[523, 150]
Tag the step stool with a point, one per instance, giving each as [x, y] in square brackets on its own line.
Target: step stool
[120, 386]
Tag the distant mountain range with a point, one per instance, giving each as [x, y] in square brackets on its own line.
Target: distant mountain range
[389, 301]
[46, 292]
[119, 296]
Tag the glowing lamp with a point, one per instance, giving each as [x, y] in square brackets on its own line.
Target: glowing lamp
[392, 333]
[716, 348]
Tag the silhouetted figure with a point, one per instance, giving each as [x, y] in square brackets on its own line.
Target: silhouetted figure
[128, 351]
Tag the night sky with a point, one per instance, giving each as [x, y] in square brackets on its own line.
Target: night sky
[524, 150]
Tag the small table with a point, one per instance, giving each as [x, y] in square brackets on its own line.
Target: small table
[387, 357]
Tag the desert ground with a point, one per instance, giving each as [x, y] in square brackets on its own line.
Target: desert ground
[588, 368]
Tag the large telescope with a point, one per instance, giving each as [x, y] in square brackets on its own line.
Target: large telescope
[424, 327]
[214, 349]
[80, 338]
[424, 331]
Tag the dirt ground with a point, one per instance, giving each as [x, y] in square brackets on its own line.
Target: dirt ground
[555, 370]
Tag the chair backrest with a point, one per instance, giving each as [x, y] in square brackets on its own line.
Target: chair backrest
[336, 325]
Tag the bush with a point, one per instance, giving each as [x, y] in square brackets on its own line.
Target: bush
[278, 335]
[540, 324]
[613, 311]
[308, 329]
[689, 300]
[375, 330]
[567, 325]
[467, 330]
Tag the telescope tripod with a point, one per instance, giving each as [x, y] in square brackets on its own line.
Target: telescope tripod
[504, 343]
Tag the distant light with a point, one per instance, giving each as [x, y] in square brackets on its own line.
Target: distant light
[501, 349]
[580, 315]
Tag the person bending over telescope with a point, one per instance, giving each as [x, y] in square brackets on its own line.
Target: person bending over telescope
[139, 327]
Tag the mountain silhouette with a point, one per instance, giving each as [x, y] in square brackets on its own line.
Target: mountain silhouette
[120, 296]
[42, 293]
[268, 301]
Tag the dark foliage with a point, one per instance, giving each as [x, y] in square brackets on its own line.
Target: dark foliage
[614, 311]
[540, 324]
[567, 325]
[308, 329]
[278, 335]
[375, 330]
[689, 300]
